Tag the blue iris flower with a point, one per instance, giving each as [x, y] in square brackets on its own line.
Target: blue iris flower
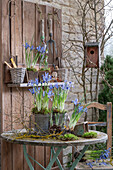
[36, 81]
[85, 110]
[31, 48]
[104, 163]
[63, 87]
[32, 91]
[26, 45]
[50, 93]
[70, 82]
[90, 164]
[46, 77]
[75, 102]
[56, 85]
[39, 89]
[42, 50]
[67, 88]
[38, 48]
[51, 87]
[43, 93]
[31, 82]
[80, 108]
[35, 89]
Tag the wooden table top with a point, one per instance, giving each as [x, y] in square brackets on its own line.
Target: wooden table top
[10, 136]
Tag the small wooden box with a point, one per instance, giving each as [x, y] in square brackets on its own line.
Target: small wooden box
[92, 55]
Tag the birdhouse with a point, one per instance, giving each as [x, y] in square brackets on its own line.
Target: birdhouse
[92, 55]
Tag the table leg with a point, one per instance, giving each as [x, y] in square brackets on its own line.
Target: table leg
[52, 160]
[57, 160]
[27, 159]
[78, 158]
[55, 155]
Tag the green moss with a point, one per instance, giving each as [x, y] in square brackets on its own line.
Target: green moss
[89, 135]
[68, 136]
[59, 111]
[44, 69]
[32, 69]
[43, 111]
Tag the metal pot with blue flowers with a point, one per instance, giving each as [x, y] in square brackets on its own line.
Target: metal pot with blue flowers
[42, 95]
[78, 128]
[32, 55]
[59, 115]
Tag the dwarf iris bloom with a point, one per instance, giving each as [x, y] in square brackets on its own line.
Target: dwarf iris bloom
[32, 56]
[41, 94]
[78, 111]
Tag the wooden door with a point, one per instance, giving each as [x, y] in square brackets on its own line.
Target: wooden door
[20, 22]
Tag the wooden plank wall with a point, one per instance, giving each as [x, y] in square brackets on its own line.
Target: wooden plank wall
[0, 75]
[16, 104]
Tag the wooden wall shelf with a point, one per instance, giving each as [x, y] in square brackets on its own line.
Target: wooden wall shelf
[26, 84]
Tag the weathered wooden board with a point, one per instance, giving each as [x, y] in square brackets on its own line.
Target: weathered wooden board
[39, 156]
[6, 152]
[7, 156]
[18, 31]
[57, 35]
[29, 22]
[17, 157]
[1, 67]
[97, 105]
[27, 111]
[17, 94]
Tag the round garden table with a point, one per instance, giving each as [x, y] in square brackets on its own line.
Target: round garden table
[11, 136]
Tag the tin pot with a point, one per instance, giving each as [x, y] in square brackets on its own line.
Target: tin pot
[41, 122]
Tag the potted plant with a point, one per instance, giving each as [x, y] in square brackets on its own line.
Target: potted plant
[58, 115]
[80, 128]
[42, 93]
[32, 55]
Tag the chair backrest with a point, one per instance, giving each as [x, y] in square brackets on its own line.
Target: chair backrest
[108, 108]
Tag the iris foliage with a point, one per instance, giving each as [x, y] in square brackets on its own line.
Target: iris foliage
[32, 54]
[43, 93]
[79, 109]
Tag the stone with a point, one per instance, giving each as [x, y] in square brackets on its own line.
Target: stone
[67, 150]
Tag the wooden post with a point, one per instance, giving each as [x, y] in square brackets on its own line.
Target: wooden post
[1, 78]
